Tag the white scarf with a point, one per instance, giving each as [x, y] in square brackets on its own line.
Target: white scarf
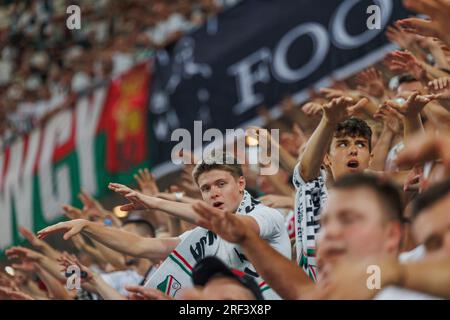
[176, 271]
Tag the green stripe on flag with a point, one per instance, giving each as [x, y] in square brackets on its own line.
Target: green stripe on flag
[180, 265]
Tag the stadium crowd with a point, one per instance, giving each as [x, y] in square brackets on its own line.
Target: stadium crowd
[364, 182]
[43, 64]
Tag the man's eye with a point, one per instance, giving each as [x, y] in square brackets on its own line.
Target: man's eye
[221, 183]
[361, 145]
[342, 144]
[433, 243]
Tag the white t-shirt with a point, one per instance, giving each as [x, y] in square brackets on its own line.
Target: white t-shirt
[271, 228]
[397, 293]
[118, 280]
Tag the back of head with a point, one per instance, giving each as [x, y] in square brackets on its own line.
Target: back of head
[388, 194]
[430, 197]
[140, 227]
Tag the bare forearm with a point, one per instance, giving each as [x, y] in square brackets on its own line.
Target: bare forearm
[417, 276]
[48, 251]
[175, 226]
[180, 210]
[381, 150]
[129, 243]
[55, 287]
[315, 150]
[52, 267]
[287, 161]
[105, 290]
[280, 185]
[412, 125]
[281, 274]
[115, 258]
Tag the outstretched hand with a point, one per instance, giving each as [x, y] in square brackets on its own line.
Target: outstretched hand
[146, 182]
[225, 224]
[135, 198]
[71, 228]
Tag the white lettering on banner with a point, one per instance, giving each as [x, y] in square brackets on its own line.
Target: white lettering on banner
[319, 36]
[255, 69]
[246, 79]
[54, 184]
[18, 185]
[88, 114]
[341, 38]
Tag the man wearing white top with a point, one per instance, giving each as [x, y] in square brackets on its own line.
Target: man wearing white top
[222, 186]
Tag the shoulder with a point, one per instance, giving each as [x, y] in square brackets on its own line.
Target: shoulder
[298, 181]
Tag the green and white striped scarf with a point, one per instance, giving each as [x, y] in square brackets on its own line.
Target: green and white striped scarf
[175, 272]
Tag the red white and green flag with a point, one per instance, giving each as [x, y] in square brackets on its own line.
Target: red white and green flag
[103, 138]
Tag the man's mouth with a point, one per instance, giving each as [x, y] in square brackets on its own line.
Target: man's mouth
[218, 204]
[334, 252]
[354, 164]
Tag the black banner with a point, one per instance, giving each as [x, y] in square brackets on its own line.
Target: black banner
[257, 53]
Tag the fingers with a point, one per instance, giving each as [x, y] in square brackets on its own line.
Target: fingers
[127, 207]
[72, 212]
[52, 229]
[85, 198]
[359, 105]
[72, 232]
[119, 188]
[140, 292]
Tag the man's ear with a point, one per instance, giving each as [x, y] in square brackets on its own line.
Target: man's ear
[327, 160]
[241, 183]
[394, 236]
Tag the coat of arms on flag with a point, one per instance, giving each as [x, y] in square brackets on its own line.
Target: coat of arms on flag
[169, 286]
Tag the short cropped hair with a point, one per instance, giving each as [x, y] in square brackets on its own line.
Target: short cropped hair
[388, 194]
[429, 197]
[145, 228]
[354, 127]
[221, 161]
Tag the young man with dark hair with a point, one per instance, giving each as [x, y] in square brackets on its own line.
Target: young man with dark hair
[431, 220]
[222, 186]
[342, 144]
[361, 218]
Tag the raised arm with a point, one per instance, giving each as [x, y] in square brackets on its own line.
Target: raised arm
[139, 201]
[125, 242]
[282, 274]
[316, 148]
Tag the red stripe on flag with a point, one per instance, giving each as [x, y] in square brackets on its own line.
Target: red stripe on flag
[169, 286]
[182, 259]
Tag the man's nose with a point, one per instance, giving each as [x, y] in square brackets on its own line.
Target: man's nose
[331, 231]
[215, 192]
[353, 150]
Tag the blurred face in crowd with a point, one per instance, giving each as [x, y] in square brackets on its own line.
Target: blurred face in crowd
[354, 225]
[141, 265]
[348, 155]
[405, 89]
[219, 288]
[432, 228]
[221, 189]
